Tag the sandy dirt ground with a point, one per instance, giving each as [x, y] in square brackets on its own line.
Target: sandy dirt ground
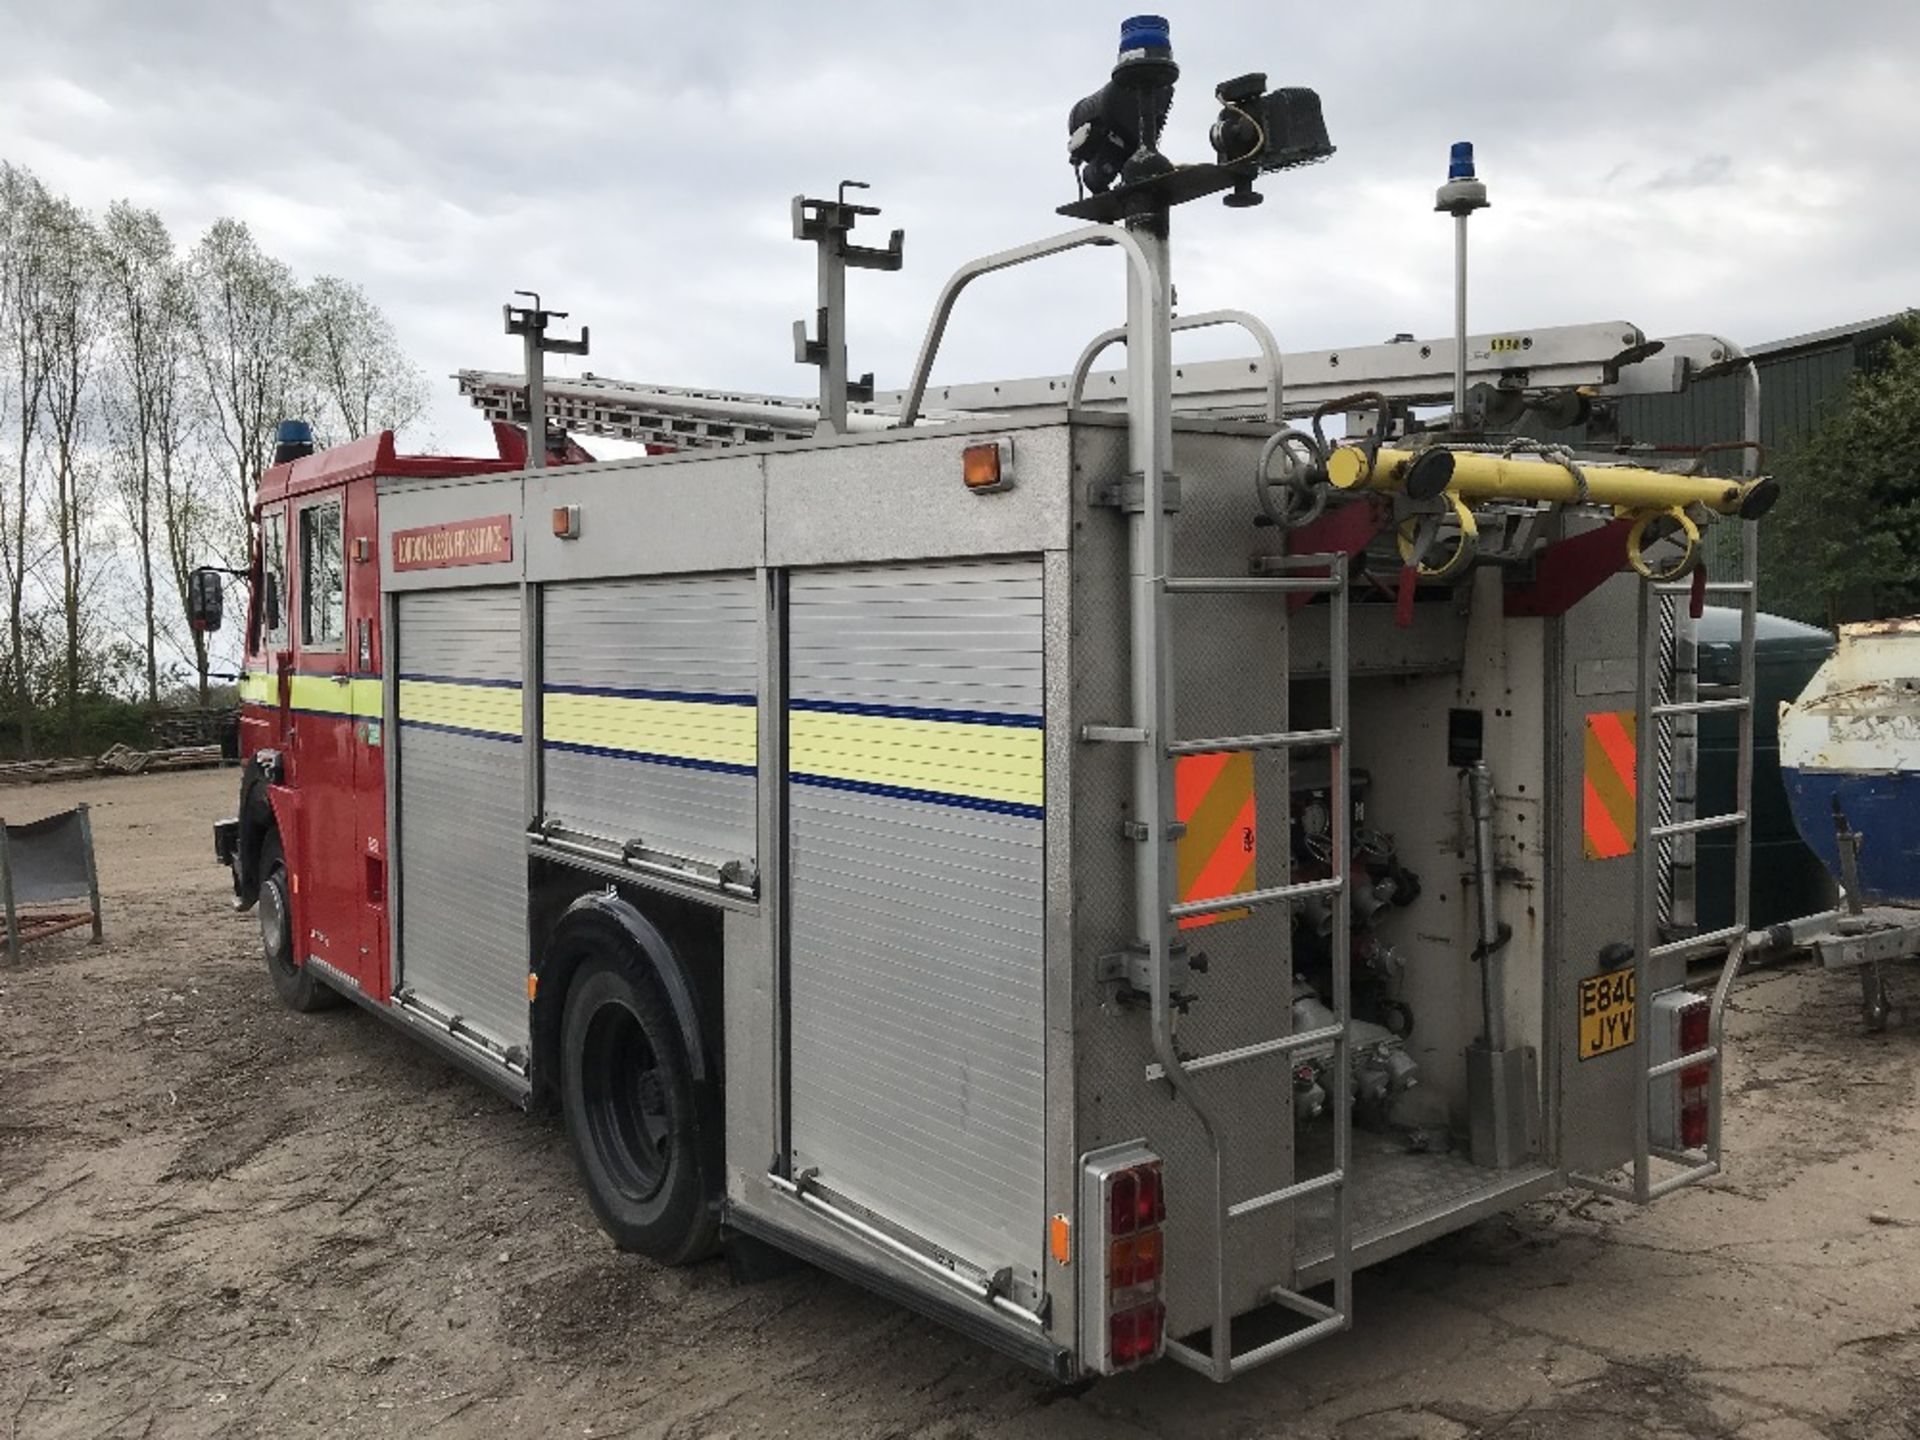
[219, 1218]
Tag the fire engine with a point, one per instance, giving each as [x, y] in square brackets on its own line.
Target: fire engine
[1086, 856]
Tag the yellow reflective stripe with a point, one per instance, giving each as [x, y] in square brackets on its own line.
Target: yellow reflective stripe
[317, 694]
[488, 709]
[675, 729]
[321, 695]
[953, 757]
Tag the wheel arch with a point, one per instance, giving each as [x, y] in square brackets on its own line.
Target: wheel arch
[258, 817]
[598, 916]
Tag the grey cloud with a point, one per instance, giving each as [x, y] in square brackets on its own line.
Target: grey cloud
[1703, 174]
[1698, 167]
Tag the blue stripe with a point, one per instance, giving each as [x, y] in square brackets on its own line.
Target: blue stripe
[919, 712]
[617, 692]
[458, 730]
[927, 797]
[722, 767]
[461, 680]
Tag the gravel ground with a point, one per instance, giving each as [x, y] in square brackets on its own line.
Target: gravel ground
[220, 1218]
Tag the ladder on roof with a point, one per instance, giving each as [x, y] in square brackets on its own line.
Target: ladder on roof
[1660, 707]
[1218, 1361]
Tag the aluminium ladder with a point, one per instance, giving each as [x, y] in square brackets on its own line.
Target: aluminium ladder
[1659, 708]
[1218, 1361]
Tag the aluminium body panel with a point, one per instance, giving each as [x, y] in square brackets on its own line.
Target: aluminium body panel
[1416, 797]
[462, 848]
[649, 713]
[412, 505]
[899, 496]
[1230, 667]
[916, 885]
[1593, 668]
[1434, 644]
[665, 515]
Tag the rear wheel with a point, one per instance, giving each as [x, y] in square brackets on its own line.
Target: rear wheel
[296, 985]
[644, 1134]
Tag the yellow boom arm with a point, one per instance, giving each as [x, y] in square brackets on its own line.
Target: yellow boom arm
[1657, 500]
[1495, 477]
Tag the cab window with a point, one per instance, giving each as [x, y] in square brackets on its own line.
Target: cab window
[273, 567]
[323, 590]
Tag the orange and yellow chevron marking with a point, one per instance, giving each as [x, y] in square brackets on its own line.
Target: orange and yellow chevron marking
[1612, 779]
[1213, 798]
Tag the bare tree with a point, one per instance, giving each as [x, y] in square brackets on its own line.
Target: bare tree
[246, 314]
[348, 348]
[71, 311]
[145, 299]
[192, 514]
[129, 373]
[23, 205]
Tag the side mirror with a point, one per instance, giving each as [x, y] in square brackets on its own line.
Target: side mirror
[270, 601]
[206, 600]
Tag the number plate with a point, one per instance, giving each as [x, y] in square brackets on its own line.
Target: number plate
[1606, 1013]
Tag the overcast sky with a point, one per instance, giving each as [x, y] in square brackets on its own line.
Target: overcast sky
[1746, 168]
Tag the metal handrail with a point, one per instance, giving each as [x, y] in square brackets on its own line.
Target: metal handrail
[1137, 262]
[1251, 323]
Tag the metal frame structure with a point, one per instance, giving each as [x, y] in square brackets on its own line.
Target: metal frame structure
[24, 929]
[1660, 708]
[1611, 359]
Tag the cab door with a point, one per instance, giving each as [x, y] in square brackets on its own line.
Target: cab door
[328, 906]
[263, 717]
[365, 660]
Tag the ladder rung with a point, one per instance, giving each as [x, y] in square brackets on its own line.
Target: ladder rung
[1685, 1178]
[1685, 1062]
[1712, 587]
[1287, 1344]
[1325, 1035]
[1243, 584]
[1696, 942]
[1701, 707]
[1278, 740]
[1248, 898]
[1690, 827]
[1287, 1193]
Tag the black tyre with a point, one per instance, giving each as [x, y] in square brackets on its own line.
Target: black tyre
[645, 1136]
[297, 986]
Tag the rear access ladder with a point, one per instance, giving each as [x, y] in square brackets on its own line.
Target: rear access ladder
[1218, 1361]
[1661, 706]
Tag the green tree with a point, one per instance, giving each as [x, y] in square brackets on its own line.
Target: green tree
[1844, 541]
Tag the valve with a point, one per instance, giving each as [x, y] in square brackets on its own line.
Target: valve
[1296, 494]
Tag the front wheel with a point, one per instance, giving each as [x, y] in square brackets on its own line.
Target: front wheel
[644, 1134]
[297, 986]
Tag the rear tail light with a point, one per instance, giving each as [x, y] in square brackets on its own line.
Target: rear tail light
[1135, 1200]
[1134, 1336]
[1682, 1102]
[1696, 1080]
[1124, 1318]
